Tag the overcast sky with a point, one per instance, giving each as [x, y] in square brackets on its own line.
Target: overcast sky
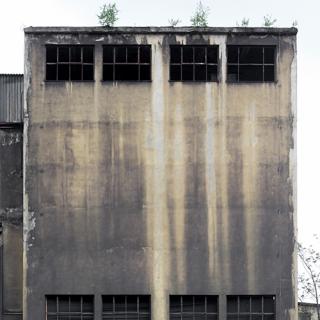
[17, 14]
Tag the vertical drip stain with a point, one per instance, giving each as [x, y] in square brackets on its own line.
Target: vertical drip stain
[179, 159]
[249, 185]
[211, 184]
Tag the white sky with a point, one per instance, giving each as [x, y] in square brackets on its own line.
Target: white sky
[17, 14]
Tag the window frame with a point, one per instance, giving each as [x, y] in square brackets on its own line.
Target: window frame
[114, 63]
[263, 64]
[193, 63]
[70, 63]
[59, 314]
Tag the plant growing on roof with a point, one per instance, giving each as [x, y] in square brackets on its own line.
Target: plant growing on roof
[200, 17]
[108, 15]
[244, 22]
[268, 21]
[174, 22]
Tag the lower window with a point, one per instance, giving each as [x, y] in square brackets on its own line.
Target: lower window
[126, 307]
[189, 307]
[69, 307]
[251, 307]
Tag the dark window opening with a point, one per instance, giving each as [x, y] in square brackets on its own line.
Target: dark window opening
[127, 63]
[251, 63]
[193, 63]
[64, 307]
[194, 307]
[64, 63]
[126, 307]
[251, 307]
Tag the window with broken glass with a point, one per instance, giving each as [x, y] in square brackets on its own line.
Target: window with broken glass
[251, 308]
[197, 307]
[71, 307]
[251, 63]
[127, 63]
[65, 63]
[193, 63]
[126, 307]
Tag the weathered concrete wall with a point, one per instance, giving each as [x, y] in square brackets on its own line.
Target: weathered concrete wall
[307, 311]
[159, 188]
[11, 223]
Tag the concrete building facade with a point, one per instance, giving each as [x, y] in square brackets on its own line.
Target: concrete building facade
[160, 163]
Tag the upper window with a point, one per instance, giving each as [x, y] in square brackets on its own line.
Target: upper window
[126, 307]
[69, 307]
[64, 63]
[251, 63]
[193, 307]
[193, 63]
[251, 307]
[127, 63]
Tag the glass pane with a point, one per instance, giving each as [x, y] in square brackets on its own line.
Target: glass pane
[120, 54]
[132, 316]
[144, 316]
[63, 54]
[269, 317]
[145, 72]
[51, 304]
[187, 72]
[51, 55]
[251, 55]
[63, 305]
[232, 53]
[244, 317]
[232, 73]
[175, 316]
[199, 54]
[269, 55]
[76, 72]
[200, 73]
[87, 72]
[87, 304]
[187, 54]
[175, 304]
[256, 317]
[108, 72]
[145, 54]
[75, 304]
[244, 304]
[187, 316]
[88, 54]
[269, 73]
[107, 54]
[107, 303]
[63, 72]
[132, 304]
[187, 303]
[52, 317]
[119, 316]
[75, 54]
[268, 304]
[199, 304]
[250, 73]
[212, 304]
[127, 72]
[232, 304]
[199, 316]
[63, 317]
[132, 54]
[212, 317]
[175, 73]
[256, 304]
[120, 303]
[212, 73]
[212, 54]
[232, 317]
[144, 304]
[175, 54]
[51, 72]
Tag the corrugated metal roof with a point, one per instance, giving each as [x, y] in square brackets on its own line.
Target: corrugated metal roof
[11, 98]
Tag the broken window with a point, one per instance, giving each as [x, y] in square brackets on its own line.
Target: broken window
[193, 307]
[251, 63]
[193, 63]
[64, 63]
[127, 63]
[69, 307]
[251, 307]
[126, 307]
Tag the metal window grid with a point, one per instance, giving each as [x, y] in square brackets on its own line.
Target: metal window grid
[125, 314]
[193, 63]
[262, 65]
[251, 315]
[194, 315]
[68, 315]
[115, 63]
[57, 63]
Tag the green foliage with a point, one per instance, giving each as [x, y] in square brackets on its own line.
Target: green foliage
[108, 15]
[174, 22]
[268, 21]
[200, 17]
[244, 22]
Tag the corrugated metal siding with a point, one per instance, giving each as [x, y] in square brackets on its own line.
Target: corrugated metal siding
[11, 98]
